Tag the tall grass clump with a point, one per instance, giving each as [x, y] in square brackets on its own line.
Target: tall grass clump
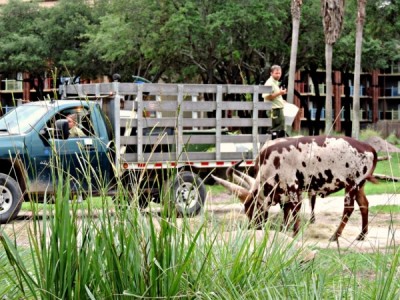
[120, 252]
[368, 133]
[393, 139]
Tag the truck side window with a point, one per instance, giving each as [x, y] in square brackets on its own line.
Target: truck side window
[78, 117]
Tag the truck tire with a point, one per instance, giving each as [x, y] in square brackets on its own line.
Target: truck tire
[189, 194]
[10, 198]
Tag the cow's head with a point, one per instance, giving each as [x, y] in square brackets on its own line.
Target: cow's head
[248, 190]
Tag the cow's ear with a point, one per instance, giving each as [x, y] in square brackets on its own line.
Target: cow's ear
[240, 192]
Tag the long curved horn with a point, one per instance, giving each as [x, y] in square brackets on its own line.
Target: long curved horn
[240, 181]
[250, 180]
[242, 193]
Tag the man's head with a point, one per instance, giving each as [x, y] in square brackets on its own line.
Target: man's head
[276, 72]
[71, 120]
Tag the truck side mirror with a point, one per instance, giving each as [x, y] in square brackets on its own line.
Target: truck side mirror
[62, 129]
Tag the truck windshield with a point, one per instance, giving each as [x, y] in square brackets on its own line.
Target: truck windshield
[21, 119]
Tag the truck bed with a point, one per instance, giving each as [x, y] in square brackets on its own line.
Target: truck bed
[172, 125]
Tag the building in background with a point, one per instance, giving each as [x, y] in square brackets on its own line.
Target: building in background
[379, 99]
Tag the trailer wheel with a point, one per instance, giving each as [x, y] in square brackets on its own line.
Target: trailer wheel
[189, 194]
[10, 198]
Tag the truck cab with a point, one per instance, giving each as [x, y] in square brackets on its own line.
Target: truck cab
[36, 151]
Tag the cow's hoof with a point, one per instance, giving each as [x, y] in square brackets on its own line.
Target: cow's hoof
[334, 238]
[312, 220]
[361, 237]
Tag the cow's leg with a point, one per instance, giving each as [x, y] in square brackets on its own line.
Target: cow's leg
[249, 209]
[351, 195]
[287, 207]
[363, 204]
[296, 218]
[312, 196]
[291, 214]
[255, 213]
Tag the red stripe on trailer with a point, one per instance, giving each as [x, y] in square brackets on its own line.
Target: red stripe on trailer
[190, 163]
[249, 162]
[204, 163]
[173, 164]
[220, 163]
[141, 165]
[158, 164]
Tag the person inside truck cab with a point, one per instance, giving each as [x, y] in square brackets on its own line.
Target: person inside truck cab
[74, 130]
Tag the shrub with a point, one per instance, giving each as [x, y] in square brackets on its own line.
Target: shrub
[369, 132]
[393, 139]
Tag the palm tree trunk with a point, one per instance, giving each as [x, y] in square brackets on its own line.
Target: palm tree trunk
[328, 82]
[332, 12]
[296, 11]
[357, 69]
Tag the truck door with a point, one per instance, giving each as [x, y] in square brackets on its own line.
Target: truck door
[83, 156]
[80, 159]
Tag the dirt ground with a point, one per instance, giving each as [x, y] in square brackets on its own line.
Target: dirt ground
[384, 228]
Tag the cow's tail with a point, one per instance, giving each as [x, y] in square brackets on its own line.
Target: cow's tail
[370, 176]
[372, 179]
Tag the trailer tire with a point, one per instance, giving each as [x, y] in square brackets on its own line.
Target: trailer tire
[10, 198]
[189, 194]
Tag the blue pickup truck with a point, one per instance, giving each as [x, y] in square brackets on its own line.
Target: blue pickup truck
[35, 145]
[144, 138]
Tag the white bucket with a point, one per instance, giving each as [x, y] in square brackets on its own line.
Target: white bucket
[290, 112]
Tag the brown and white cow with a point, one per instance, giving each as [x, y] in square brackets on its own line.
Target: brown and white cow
[319, 165]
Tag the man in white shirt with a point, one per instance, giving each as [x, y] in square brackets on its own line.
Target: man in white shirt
[278, 119]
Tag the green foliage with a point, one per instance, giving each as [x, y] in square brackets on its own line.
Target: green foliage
[393, 139]
[389, 209]
[64, 27]
[368, 133]
[21, 48]
[389, 167]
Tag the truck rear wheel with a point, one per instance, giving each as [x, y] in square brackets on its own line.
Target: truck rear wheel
[10, 198]
[189, 194]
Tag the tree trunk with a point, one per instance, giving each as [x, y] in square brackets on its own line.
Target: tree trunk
[296, 12]
[328, 82]
[357, 69]
[347, 102]
[332, 13]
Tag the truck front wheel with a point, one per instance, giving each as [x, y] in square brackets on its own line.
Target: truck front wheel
[189, 194]
[10, 198]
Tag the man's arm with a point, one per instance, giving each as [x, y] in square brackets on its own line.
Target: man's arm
[276, 94]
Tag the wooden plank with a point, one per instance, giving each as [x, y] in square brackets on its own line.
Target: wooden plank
[128, 88]
[190, 123]
[185, 157]
[193, 139]
[170, 105]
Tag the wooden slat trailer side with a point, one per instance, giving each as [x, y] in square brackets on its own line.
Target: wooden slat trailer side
[180, 133]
